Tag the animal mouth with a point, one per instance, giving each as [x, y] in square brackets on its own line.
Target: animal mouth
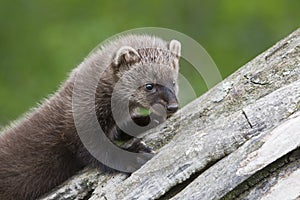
[158, 113]
[159, 110]
[164, 110]
[156, 109]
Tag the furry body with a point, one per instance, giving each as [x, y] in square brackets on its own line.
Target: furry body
[43, 149]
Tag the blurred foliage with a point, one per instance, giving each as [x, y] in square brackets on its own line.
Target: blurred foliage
[41, 41]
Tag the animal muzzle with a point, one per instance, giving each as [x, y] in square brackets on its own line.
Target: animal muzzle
[167, 99]
[171, 101]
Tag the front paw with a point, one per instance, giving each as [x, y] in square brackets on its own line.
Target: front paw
[138, 146]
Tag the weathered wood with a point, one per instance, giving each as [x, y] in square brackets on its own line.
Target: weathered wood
[177, 161]
[279, 178]
[212, 139]
[253, 156]
[79, 186]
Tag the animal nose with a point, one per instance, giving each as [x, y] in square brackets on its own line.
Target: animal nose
[172, 108]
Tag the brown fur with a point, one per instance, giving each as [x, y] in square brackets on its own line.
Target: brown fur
[43, 149]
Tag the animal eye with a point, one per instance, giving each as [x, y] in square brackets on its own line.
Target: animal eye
[149, 86]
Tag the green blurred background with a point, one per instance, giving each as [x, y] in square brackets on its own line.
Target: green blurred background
[41, 41]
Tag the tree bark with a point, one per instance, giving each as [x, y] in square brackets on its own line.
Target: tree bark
[240, 140]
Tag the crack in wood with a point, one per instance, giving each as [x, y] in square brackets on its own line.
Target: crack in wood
[262, 175]
[247, 119]
[179, 187]
[276, 50]
[256, 79]
[88, 195]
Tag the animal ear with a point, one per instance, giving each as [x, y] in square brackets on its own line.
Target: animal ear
[175, 47]
[126, 55]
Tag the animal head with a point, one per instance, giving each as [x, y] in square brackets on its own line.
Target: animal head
[147, 77]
